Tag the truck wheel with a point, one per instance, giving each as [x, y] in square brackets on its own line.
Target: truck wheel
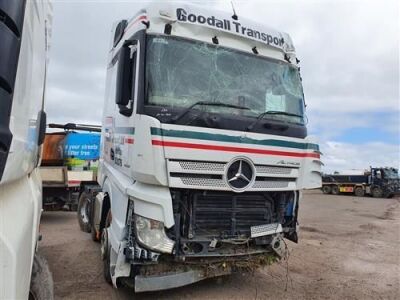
[377, 192]
[106, 251]
[326, 189]
[359, 191]
[41, 281]
[106, 266]
[335, 190]
[84, 212]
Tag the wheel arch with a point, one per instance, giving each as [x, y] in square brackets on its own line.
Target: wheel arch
[106, 205]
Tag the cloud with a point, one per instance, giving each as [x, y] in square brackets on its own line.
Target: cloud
[344, 156]
[334, 124]
[349, 50]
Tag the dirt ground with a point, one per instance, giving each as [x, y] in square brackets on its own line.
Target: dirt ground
[349, 248]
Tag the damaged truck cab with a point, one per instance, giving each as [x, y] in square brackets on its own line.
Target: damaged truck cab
[204, 148]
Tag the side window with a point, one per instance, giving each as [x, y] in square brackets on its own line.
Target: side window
[112, 84]
[125, 79]
[134, 64]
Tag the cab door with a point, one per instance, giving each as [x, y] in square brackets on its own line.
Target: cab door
[126, 82]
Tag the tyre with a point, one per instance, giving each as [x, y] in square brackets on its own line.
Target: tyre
[84, 212]
[359, 191]
[106, 266]
[41, 281]
[326, 189]
[377, 192]
[106, 250]
[335, 190]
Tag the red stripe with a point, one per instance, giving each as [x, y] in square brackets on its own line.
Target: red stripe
[74, 181]
[141, 18]
[129, 140]
[232, 149]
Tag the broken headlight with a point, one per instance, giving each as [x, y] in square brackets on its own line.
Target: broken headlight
[151, 234]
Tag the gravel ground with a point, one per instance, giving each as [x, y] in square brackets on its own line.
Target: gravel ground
[349, 249]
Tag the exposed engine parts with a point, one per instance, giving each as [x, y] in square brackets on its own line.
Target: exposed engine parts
[224, 223]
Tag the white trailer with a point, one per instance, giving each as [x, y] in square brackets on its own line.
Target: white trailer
[24, 32]
[204, 148]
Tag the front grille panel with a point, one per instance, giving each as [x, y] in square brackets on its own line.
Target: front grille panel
[264, 184]
[201, 166]
[209, 182]
[229, 214]
[210, 176]
[273, 170]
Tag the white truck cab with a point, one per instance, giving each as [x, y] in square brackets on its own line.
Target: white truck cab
[204, 148]
[24, 32]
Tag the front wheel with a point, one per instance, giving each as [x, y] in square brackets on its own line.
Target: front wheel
[377, 192]
[84, 212]
[41, 280]
[105, 253]
[106, 250]
[359, 191]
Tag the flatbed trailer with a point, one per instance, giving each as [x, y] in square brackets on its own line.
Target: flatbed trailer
[69, 163]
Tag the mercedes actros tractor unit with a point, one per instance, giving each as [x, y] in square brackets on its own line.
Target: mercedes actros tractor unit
[25, 28]
[204, 148]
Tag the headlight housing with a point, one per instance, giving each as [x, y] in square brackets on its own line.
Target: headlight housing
[151, 234]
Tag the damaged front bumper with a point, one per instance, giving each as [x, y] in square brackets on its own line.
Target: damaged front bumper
[168, 275]
[168, 281]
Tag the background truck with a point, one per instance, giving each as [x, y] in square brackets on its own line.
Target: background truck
[25, 28]
[69, 162]
[204, 148]
[378, 182]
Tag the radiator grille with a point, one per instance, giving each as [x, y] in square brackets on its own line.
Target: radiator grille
[229, 214]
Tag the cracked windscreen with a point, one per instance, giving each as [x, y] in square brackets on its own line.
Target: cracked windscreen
[391, 173]
[180, 73]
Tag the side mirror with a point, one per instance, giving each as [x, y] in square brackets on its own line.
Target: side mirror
[42, 117]
[124, 76]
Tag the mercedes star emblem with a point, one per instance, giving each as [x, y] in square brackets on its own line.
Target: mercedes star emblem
[240, 174]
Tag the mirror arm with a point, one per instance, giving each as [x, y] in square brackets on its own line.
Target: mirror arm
[125, 110]
[129, 43]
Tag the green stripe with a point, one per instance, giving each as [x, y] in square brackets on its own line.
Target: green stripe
[125, 130]
[231, 139]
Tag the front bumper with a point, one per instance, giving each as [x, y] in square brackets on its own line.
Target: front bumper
[173, 274]
[169, 281]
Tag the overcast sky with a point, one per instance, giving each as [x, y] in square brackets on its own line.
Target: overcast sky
[349, 52]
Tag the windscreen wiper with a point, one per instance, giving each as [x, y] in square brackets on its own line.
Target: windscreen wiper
[271, 112]
[182, 114]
